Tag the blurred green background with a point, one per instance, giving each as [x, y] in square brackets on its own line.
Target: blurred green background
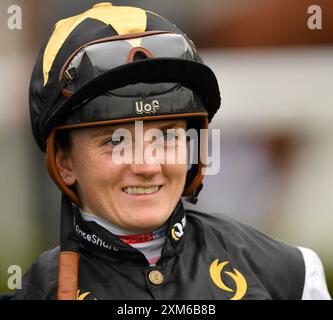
[276, 152]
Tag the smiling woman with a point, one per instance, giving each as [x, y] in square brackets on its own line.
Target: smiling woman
[111, 96]
[134, 195]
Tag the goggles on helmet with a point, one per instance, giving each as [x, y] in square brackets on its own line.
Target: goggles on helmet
[102, 55]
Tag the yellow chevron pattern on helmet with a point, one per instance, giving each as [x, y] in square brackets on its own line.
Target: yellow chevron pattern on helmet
[122, 19]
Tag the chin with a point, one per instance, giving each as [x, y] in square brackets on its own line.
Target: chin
[147, 220]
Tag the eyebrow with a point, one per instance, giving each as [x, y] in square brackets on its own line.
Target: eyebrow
[102, 132]
[170, 125]
[109, 131]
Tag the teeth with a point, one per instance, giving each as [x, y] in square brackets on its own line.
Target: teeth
[139, 190]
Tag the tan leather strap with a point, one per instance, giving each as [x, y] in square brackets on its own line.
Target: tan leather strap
[68, 275]
[50, 158]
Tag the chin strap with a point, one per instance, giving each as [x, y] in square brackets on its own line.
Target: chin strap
[69, 253]
[193, 198]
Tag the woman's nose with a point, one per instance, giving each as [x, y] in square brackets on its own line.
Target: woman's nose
[145, 162]
[146, 169]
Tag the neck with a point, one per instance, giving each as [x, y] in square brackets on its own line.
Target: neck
[149, 243]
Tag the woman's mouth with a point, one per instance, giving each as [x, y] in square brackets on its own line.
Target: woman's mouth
[141, 190]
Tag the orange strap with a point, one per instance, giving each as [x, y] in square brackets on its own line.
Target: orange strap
[68, 275]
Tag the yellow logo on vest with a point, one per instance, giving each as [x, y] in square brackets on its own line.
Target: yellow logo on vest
[177, 230]
[83, 296]
[215, 271]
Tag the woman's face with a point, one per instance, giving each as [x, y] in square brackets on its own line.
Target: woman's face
[134, 195]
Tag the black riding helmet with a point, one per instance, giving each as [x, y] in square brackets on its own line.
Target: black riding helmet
[114, 64]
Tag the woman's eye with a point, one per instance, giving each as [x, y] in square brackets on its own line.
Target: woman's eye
[115, 141]
[168, 136]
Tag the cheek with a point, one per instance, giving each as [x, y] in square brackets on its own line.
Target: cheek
[176, 174]
[95, 170]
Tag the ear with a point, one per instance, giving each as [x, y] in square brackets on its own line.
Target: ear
[65, 167]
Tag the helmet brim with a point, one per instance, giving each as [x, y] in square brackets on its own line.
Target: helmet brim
[192, 74]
